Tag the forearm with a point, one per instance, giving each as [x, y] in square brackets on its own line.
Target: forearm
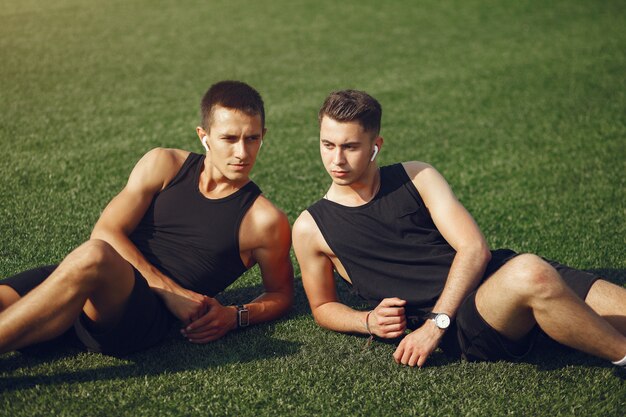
[269, 306]
[465, 274]
[340, 318]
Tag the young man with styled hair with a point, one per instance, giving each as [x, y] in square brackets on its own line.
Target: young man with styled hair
[184, 227]
[404, 242]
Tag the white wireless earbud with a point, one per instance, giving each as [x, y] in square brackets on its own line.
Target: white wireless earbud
[261, 145]
[374, 153]
[204, 139]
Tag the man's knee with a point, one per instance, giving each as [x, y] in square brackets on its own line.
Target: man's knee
[533, 277]
[8, 296]
[93, 259]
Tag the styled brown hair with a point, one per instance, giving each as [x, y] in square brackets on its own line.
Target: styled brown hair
[234, 95]
[353, 105]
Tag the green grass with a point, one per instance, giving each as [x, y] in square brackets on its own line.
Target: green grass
[521, 105]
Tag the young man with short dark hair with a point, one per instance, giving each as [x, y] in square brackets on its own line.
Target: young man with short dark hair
[184, 227]
[407, 245]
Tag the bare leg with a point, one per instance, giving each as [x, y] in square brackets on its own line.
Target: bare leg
[609, 301]
[93, 278]
[528, 291]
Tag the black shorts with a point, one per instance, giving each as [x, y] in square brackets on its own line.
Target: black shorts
[472, 338]
[145, 321]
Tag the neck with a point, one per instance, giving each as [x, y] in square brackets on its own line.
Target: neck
[214, 184]
[357, 193]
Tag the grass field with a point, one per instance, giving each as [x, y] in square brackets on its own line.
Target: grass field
[521, 105]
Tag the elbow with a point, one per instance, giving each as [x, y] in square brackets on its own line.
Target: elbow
[479, 252]
[96, 233]
[318, 320]
[484, 253]
[285, 302]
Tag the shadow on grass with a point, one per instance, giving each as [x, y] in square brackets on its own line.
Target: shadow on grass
[251, 345]
[171, 356]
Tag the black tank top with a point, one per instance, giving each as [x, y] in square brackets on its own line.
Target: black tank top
[192, 239]
[390, 246]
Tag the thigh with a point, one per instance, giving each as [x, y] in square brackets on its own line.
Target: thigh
[144, 322]
[500, 301]
[477, 340]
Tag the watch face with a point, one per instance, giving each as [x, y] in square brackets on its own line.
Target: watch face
[442, 321]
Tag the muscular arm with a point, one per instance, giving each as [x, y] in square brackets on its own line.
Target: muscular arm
[272, 255]
[317, 276]
[267, 231]
[123, 213]
[459, 229]
[472, 255]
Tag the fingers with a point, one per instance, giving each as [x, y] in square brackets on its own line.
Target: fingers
[392, 302]
[206, 335]
[410, 353]
[387, 327]
[390, 307]
[205, 313]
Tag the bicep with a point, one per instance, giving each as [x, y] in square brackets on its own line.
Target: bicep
[274, 261]
[451, 218]
[127, 208]
[315, 267]
[124, 211]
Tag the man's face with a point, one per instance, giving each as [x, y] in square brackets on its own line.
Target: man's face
[234, 140]
[346, 150]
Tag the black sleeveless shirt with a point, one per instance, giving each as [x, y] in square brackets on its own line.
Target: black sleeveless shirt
[190, 238]
[390, 246]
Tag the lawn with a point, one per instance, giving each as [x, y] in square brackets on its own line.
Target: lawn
[521, 105]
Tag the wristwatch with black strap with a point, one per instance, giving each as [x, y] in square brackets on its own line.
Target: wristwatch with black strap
[442, 320]
[243, 316]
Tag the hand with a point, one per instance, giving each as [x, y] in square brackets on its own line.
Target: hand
[417, 346]
[217, 321]
[387, 320]
[187, 307]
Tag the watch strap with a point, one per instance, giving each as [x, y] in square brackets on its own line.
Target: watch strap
[243, 316]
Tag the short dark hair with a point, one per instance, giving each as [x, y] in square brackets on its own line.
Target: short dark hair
[353, 105]
[234, 95]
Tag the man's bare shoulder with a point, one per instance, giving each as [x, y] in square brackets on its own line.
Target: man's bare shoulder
[157, 167]
[414, 168]
[267, 219]
[166, 158]
[305, 225]
[307, 235]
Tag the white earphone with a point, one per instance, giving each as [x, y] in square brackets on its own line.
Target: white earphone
[261, 145]
[374, 153]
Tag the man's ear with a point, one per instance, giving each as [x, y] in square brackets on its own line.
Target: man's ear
[202, 135]
[201, 132]
[379, 142]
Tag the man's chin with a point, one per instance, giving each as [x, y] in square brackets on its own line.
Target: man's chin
[238, 176]
[342, 181]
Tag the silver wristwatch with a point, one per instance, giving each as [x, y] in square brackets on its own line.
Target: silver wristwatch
[442, 320]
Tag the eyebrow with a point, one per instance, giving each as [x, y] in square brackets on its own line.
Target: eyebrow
[326, 141]
[234, 135]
